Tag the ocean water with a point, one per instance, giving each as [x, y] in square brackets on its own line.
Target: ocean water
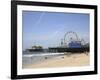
[36, 57]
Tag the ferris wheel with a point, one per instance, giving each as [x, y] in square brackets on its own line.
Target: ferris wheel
[69, 37]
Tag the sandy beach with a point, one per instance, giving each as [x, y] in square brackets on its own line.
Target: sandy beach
[63, 61]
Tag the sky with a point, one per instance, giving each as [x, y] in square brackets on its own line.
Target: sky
[48, 28]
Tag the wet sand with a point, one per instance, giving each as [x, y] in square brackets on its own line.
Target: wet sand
[70, 60]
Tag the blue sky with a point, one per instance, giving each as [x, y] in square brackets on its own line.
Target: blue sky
[48, 28]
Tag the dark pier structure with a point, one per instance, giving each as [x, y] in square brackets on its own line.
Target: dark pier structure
[70, 43]
[72, 50]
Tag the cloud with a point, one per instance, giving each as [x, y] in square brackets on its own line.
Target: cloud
[40, 18]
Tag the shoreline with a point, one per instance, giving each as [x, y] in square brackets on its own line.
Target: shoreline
[69, 60]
